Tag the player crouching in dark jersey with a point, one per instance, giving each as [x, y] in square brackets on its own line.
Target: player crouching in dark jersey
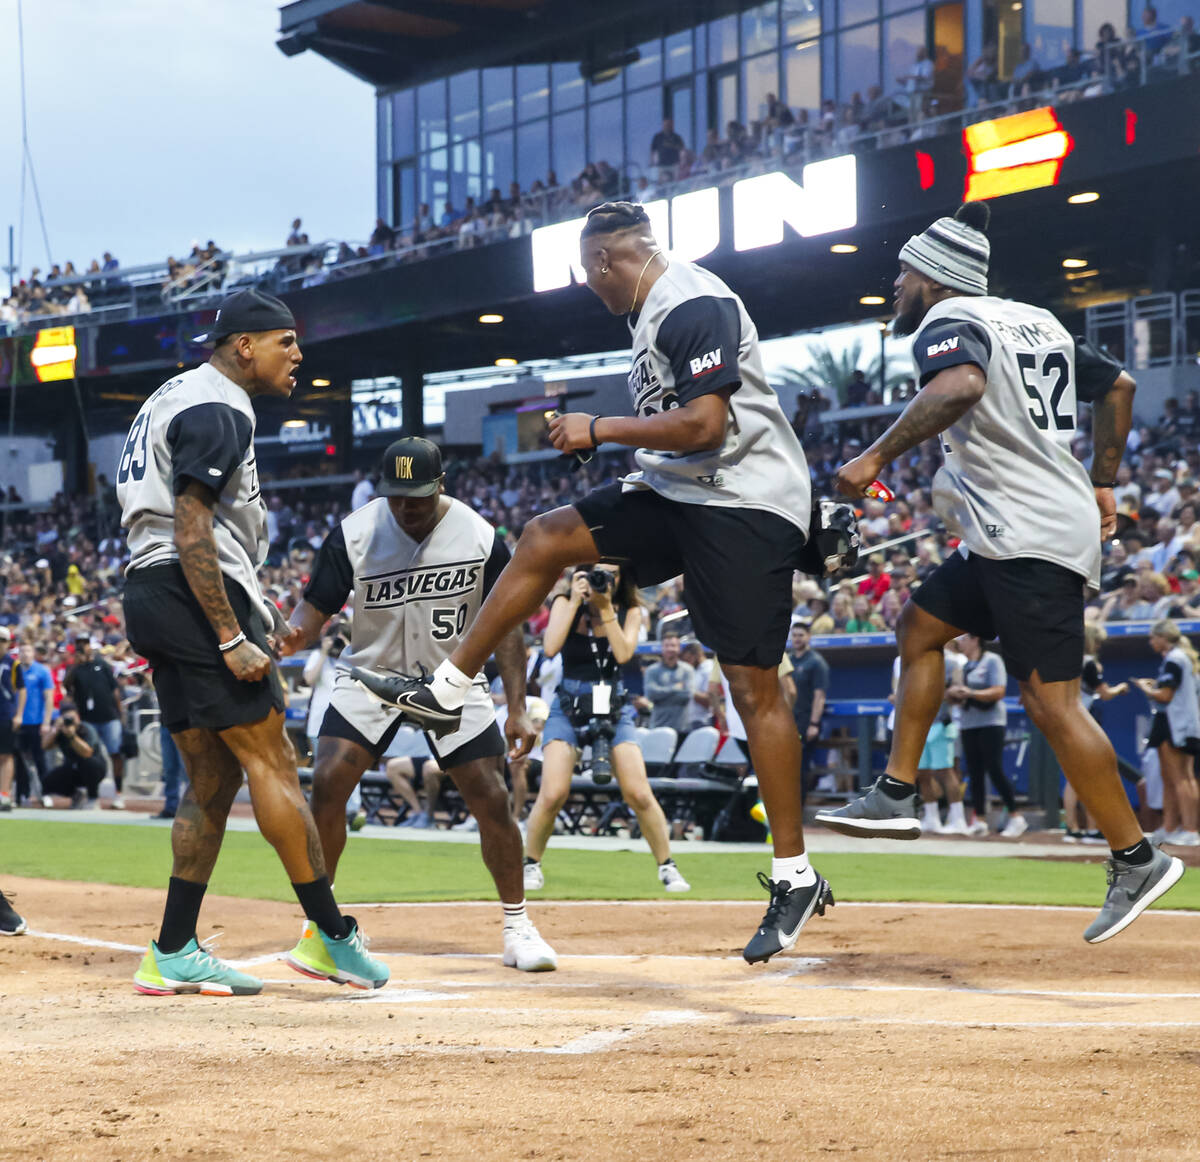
[723, 497]
[999, 384]
[419, 564]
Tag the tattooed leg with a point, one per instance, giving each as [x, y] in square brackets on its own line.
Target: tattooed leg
[214, 776]
[280, 808]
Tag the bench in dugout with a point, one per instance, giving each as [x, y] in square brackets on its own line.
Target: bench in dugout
[691, 782]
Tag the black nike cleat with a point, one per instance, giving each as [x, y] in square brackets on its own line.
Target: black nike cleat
[411, 696]
[787, 913]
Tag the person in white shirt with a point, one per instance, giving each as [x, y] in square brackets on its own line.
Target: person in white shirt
[364, 490]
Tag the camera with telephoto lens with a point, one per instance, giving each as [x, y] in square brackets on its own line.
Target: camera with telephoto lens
[599, 580]
[594, 730]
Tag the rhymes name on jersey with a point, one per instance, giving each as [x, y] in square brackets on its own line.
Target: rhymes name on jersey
[417, 584]
[1031, 334]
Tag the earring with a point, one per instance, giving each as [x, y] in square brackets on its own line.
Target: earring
[604, 270]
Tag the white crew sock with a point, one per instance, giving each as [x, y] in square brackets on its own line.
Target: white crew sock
[955, 814]
[931, 817]
[795, 869]
[514, 915]
[450, 686]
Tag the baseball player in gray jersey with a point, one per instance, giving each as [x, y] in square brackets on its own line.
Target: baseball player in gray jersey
[419, 565]
[722, 496]
[188, 488]
[999, 382]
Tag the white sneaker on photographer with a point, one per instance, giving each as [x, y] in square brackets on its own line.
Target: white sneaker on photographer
[534, 880]
[1015, 827]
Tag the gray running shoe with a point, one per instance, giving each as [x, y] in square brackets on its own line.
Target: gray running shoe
[1132, 888]
[876, 816]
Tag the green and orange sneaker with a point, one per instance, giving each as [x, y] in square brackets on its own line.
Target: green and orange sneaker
[193, 969]
[344, 961]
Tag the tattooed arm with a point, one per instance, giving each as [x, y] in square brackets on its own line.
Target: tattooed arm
[1112, 416]
[198, 555]
[947, 397]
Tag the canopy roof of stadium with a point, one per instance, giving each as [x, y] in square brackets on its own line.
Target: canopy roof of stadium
[392, 43]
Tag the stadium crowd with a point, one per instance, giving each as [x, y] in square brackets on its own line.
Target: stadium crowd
[780, 134]
[61, 573]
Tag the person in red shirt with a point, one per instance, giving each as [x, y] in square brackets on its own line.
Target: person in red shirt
[876, 583]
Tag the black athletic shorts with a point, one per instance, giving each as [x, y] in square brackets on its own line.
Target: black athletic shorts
[1160, 732]
[487, 744]
[1034, 607]
[8, 738]
[196, 690]
[737, 565]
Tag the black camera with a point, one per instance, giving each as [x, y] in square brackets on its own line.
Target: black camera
[594, 730]
[599, 580]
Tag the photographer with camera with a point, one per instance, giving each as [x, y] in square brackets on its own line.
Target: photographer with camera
[596, 628]
[79, 774]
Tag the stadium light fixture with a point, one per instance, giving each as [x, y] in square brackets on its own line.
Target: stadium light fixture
[1078, 274]
[1084, 198]
[320, 383]
[1074, 263]
[295, 423]
[872, 300]
[843, 248]
[506, 361]
[491, 318]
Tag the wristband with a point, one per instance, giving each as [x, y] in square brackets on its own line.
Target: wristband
[1107, 484]
[592, 431]
[231, 644]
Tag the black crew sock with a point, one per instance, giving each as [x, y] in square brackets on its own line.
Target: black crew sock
[895, 788]
[1140, 853]
[180, 914]
[530, 859]
[320, 907]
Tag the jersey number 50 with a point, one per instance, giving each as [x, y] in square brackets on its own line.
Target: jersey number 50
[448, 622]
[1056, 367]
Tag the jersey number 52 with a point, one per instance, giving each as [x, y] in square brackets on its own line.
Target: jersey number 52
[1051, 383]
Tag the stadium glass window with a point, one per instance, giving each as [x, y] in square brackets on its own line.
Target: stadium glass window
[465, 171]
[568, 85]
[1170, 12]
[700, 112]
[892, 6]
[404, 122]
[643, 119]
[801, 19]
[498, 161]
[497, 98]
[858, 64]
[647, 69]
[856, 11]
[902, 35]
[533, 153]
[385, 197]
[829, 64]
[723, 40]
[406, 194]
[605, 133]
[431, 116]
[760, 28]
[802, 75]
[533, 92]
[464, 106]
[760, 76]
[383, 129]
[569, 155]
[677, 54]
[1051, 30]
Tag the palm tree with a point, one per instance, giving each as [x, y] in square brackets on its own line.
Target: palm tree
[829, 371]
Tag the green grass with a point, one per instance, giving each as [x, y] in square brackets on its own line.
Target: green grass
[374, 870]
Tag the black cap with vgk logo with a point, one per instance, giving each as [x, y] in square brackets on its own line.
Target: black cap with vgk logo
[411, 467]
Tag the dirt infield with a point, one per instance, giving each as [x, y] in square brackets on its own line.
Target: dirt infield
[902, 1032]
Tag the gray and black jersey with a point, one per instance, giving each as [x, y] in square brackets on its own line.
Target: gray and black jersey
[197, 426]
[413, 601]
[694, 337]
[1010, 486]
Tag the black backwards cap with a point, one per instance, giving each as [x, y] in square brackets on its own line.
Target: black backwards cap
[609, 217]
[248, 310]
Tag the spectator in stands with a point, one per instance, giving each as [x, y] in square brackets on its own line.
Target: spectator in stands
[1163, 551]
[450, 216]
[700, 707]
[1026, 74]
[865, 619]
[669, 684]
[715, 152]
[918, 84]
[665, 148]
[81, 771]
[382, 238]
[876, 583]
[1153, 31]
[981, 76]
[93, 687]
[1164, 498]
[293, 238]
[857, 389]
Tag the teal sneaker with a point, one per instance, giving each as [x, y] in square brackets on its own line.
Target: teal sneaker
[344, 961]
[193, 969]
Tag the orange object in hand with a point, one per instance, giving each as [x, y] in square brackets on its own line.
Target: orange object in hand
[877, 490]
